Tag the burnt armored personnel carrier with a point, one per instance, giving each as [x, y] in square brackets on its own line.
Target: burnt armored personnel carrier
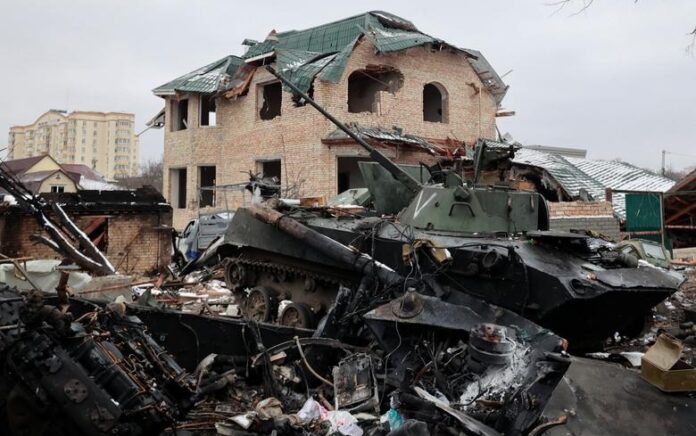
[492, 242]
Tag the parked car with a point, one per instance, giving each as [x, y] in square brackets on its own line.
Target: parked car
[200, 232]
[649, 251]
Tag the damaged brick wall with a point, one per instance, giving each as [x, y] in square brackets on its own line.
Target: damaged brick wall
[597, 216]
[134, 243]
[241, 138]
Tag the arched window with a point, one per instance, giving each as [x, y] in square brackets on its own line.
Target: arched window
[365, 86]
[435, 103]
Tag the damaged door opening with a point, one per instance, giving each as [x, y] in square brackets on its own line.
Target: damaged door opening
[177, 183]
[365, 87]
[270, 97]
[208, 113]
[206, 178]
[349, 175]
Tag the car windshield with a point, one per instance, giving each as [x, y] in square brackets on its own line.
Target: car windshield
[654, 251]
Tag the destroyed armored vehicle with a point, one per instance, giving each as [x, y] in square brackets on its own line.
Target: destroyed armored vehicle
[492, 242]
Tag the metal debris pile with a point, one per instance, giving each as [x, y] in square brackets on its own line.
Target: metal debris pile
[415, 362]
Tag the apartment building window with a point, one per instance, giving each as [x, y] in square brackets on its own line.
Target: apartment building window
[435, 103]
[57, 188]
[270, 98]
[177, 185]
[208, 115]
[180, 118]
[206, 179]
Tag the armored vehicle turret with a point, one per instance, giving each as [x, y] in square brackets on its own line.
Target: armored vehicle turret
[492, 242]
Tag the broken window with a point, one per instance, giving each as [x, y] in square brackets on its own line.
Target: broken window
[365, 86]
[435, 103]
[181, 116]
[206, 179]
[208, 114]
[270, 98]
[269, 168]
[177, 185]
[349, 175]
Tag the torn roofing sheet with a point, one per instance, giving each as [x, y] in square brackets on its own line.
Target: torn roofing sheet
[204, 80]
[385, 135]
[300, 67]
[595, 176]
[387, 32]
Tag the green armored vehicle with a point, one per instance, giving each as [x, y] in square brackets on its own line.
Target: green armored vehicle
[487, 241]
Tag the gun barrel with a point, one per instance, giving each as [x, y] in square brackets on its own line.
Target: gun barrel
[380, 158]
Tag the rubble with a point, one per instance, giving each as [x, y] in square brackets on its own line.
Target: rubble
[358, 323]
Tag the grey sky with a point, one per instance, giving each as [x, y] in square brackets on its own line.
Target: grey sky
[615, 79]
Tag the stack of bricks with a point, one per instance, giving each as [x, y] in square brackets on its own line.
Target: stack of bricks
[597, 216]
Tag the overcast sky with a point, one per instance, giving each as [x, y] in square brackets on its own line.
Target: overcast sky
[614, 79]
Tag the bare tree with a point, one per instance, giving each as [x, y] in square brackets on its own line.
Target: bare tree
[294, 184]
[151, 173]
[579, 6]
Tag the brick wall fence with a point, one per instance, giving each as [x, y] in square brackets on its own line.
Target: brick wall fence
[135, 245]
[597, 216]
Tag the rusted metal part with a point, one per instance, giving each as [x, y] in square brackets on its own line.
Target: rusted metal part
[359, 262]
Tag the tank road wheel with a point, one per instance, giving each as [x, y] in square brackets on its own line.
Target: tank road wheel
[260, 304]
[237, 276]
[297, 315]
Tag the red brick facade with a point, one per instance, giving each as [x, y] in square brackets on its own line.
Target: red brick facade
[240, 138]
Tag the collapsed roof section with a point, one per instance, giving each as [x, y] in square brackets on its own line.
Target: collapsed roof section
[322, 52]
[204, 80]
[594, 176]
[379, 135]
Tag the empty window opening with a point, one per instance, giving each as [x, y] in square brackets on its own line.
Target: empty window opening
[208, 114]
[271, 97]
[177, 183]
[181, 119]
[206, 179]
[434, 103]
[365, 87]
[269, 168]
[349, 175]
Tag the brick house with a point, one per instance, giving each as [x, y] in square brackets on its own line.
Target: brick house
[131, 228]
[407, 92]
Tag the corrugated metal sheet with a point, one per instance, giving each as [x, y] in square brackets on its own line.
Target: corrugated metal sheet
[387, 32]
[204, 80]
[571, 178]
[386, 135]
[595, 176]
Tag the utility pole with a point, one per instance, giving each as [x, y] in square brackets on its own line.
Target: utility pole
[664, 152]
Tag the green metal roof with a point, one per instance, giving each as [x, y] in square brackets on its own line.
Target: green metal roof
[323, 51]
[204, 80]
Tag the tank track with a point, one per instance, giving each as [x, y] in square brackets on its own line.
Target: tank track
[276, 268]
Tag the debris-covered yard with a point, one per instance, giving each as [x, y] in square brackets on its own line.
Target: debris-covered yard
[440, 306]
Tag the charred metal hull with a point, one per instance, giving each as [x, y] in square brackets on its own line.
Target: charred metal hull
[555, 287]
